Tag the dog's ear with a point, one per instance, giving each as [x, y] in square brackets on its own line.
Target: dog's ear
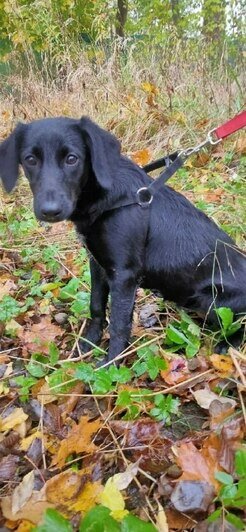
[9, 158]
[104, 151]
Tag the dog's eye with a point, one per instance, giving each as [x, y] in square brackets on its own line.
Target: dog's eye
[71, 159]
[31, 160]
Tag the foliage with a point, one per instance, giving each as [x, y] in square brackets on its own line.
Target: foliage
[232, 495]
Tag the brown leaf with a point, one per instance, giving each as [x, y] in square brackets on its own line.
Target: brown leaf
[177, 371]
[8, 467]
[204, 397]
[78, 441]
[219, 412]
[178, 521]
[39, 335]
[148, 441]
[197, 464]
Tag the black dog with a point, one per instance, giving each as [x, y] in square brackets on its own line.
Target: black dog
[76, 172]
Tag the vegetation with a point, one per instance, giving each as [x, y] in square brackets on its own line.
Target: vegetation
[157, 443]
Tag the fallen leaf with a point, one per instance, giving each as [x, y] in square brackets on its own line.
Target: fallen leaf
[199, 464]
[204, 397]
[6, 287]
[148, 441]
[78, 440]
[223, 364]
[112, 498]
[14, 420]
[177, 371]
[73, 491]
[141, 157]
[39, 336]
[26, 442]
[161, 519]
[23, 492]
[149, 87]
[8, 467]
[25, 526]
[219, 412]
[178, 521]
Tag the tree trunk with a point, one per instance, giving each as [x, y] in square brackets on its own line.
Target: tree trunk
[121, 16]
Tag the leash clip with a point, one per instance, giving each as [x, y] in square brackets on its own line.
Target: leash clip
[211, 139]
[144, 197]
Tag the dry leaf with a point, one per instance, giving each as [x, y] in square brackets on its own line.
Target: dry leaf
[177, 371]
[23, 492]
[72, 490]
[26, 442]
[223, 364]
[149, 87]
[14, 420]
[39, 336]
[204, 397]
[78, 440]
[161, 519]
[25, 526]
[141, 157]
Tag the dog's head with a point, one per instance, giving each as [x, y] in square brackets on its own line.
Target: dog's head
[53, 153]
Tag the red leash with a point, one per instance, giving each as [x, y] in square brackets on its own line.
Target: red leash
[213, 137]
[236, 123]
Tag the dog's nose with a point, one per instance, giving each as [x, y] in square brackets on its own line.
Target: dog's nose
[51, 209]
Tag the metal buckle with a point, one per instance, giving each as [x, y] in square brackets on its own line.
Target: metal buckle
[147, 197]
[210, 138]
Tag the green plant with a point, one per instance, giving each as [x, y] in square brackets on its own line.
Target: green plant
[184, 334]
[232, 494]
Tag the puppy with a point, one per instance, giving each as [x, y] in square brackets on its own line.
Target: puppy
[76, 172]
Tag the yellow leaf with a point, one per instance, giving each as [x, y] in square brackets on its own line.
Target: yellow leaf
[25, 526]
[141, 157]
[223, 364]
[14, 419]
[112, 498]
[78, 440]
[149, 87]
[26, 442]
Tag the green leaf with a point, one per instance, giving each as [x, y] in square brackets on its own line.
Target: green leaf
[176, 336]
[81, 304]
[228, 492]
[85, 372]
[191, 350]
[47, 287]
[53, 353]
[60, 382]
[226, 316]
[240, 462]
[120, 375]
[131, 523]
[124, 398]
[54, 521]
[102, 383]
[241, 488]
[214, 516]
[236, 521]
[69, 291]
[37, 366]
[99, 520]
[224, 478]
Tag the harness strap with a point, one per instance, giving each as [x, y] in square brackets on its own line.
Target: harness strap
[159, 163]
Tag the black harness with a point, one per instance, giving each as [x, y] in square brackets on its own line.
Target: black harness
[144, 195]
